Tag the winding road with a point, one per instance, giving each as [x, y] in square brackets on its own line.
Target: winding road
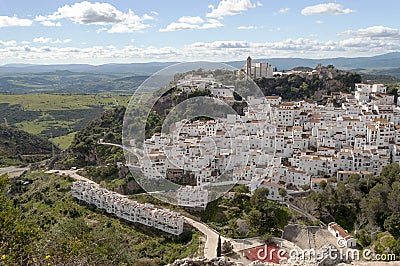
[210, 247]
[13, 171]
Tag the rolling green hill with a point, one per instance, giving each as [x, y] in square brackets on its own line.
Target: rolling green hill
[67, 81]
[20, 147]
[55, 115]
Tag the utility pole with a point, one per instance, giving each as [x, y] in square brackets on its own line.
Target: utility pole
[52, 145]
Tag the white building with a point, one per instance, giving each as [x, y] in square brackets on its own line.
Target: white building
[258, 69]
[341, 234]
[162, 219]
[274, 189]
[193, 196]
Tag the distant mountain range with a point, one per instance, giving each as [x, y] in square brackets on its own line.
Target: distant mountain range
[134, 68]
[385, 61]
[390, 60]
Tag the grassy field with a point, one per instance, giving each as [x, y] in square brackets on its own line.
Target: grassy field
[50, 102]
[64, 141]
[55, 115]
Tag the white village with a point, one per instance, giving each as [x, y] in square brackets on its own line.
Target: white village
[277, 144]
[282, 146]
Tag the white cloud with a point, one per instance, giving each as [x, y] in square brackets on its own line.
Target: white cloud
[190, 23]
[58, 41]
[174, 26]
[230, 8]
[48, 23]
[102, 29]
[319, 22]
[191, 20]
[212, 23]
[220, 45]
[329, 8]
[8, 43]
[251, 27]
[98, 14]
[374, 32]
[41, 40]
[44, 40]
[283, 10]
[218, 50]
[14, 21]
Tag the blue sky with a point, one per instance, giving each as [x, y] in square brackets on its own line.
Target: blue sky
[96, 32]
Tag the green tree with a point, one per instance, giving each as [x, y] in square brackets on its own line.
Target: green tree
[392, 224]
[374, 204]
[227, 247]
[394, 197]
[219, 247]
[363, 237]
[255, 218]
[241, 189]
[282, 193]
[390, 173]
[322, 185]
[259, 198]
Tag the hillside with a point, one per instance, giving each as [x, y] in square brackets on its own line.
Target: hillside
[55, 115]
[58, 81]
[20, 147]
[295, 87]
[99, 161]
[42, 224]
[85, 150]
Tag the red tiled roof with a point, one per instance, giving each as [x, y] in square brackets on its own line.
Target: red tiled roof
[258, 254]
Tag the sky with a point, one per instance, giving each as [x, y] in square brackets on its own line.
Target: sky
[122, 31]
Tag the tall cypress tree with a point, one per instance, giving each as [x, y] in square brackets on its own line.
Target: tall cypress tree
[219, 247]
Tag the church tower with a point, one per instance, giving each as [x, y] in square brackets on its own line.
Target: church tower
[248, 66]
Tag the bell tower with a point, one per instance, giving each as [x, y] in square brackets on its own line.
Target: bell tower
[248, 66]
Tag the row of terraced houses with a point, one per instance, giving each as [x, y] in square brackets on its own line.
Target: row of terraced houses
[114, 203]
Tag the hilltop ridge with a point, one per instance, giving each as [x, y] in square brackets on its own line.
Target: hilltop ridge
[20, 147]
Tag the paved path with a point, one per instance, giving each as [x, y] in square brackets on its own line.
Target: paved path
[71, 173]
[13, 171]
[210, 248]
[135, 151]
